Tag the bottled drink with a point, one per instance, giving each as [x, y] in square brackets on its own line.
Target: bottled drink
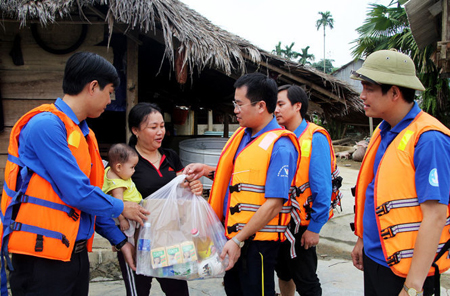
[204, 245]
[143, 257]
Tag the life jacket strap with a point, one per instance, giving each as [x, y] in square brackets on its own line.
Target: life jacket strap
[268, 228]
[391, 231]
[295, 214]
[395, 204]
[290, 237]
[399, 255]
[247, 187]
[17, 226]
[253, 208]
[20, 197]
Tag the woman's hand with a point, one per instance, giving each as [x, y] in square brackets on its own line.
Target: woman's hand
[196, 187]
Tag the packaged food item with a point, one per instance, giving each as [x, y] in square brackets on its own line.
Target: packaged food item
[174, 255]
[159, 257]
[189, 253]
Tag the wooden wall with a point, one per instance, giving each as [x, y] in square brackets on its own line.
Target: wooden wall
[39, 80]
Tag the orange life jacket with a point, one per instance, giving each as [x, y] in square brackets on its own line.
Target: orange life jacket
[35, 220]
[304, 199]
[248, 177]
[397, 208]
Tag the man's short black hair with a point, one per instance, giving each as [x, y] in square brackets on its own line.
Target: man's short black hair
[296, 94]
[84, 67]
[409, 94]
[259, 88]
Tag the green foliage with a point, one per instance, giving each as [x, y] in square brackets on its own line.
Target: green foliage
[328, 65]
[287, 52]
[305, 57]
[326, 20]
[387, 27]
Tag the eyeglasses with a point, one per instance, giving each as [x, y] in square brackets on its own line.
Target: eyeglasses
[236, 106]
[357, 75]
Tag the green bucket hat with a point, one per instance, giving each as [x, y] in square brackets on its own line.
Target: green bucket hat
[389, 67]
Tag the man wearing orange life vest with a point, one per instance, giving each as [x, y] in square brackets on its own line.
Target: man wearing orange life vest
[314, 180]
[402, 191]
[52, 194]
[251, 184]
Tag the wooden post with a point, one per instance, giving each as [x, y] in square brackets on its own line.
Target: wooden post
[132, 76]
[210, 120]
[371, 126]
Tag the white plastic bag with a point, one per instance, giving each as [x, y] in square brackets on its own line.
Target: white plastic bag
[186, 235]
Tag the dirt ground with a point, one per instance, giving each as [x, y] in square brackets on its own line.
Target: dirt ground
[341, 162]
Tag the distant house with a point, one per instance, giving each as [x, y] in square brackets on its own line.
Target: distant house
[344, 72]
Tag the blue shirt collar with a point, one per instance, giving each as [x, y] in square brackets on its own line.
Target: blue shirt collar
[299, 130]
[62, 106]
[273, 124]
[384, 126]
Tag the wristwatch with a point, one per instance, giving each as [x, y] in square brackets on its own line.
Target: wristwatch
[238, 242]
[120, 245]
[412, 291]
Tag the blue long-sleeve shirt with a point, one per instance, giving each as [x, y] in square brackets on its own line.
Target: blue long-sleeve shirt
[43, 148]
[319, 178]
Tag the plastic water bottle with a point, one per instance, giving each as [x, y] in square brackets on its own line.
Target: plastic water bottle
[143, 250]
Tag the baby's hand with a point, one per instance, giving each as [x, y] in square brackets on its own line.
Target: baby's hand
[124, 225]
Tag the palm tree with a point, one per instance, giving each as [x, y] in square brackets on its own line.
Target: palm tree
[278, 51]
[326, 20]
[287, 52]
[305, 56]
[387, 27]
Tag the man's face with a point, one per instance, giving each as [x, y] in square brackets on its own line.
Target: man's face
[100, 99]
[285, 112]
[245, 112]
[376, 104]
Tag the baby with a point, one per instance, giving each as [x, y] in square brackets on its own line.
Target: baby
[118, 183]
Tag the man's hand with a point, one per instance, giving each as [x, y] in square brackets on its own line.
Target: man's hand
[309, 239]
[233, 251]
[129, 254]
[357, 254]
[133, 211]
[194, 171]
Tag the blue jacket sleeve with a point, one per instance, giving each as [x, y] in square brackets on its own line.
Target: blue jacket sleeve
[106, 227]
[320, 182]
[282, 168]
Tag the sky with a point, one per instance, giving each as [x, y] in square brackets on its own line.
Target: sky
[266, 22]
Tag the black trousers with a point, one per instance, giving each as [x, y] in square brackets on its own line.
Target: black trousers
[379, 280]
[34, 276]
[140, 285]
[302, 269]
[253, 273]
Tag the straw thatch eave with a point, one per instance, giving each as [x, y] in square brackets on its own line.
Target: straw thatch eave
[200, 43]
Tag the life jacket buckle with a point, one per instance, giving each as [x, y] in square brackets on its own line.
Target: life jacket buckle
[235, 188]
[235, 209]
[232, 228]
[387, 233]
[65, 241]
[23, 198]
[39, 246]
[393, 259]
[336, 183]
[16, 226]
[381, 210]
[74, 215]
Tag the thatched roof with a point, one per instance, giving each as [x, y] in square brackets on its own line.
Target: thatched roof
[203, 44]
